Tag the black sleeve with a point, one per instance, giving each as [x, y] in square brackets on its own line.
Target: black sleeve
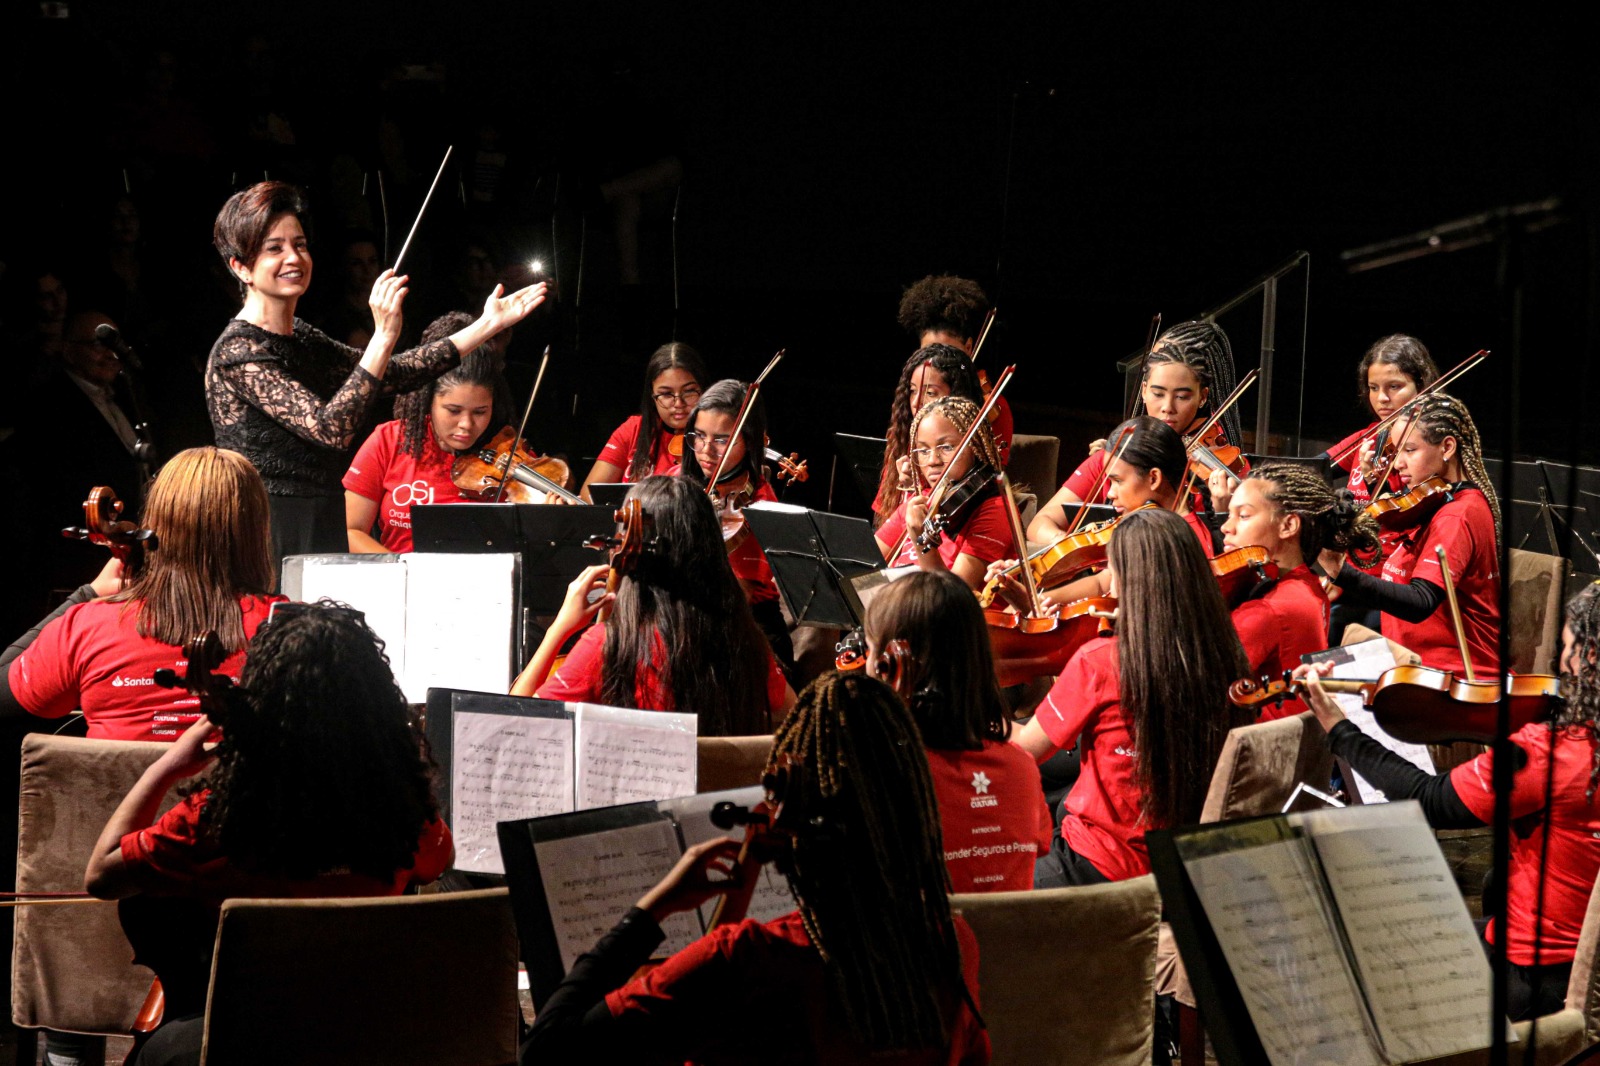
[1411, 602]
[1399, 779]
[9, 707]
[575, 1024]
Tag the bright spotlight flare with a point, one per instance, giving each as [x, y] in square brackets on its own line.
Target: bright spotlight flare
[536, 267]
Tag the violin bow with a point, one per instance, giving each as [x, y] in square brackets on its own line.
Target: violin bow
[1216, 416]
[1014, 519]
[1149, 346]
[935, 496]
[423, 209]
[1123, 440]
[516, 442]
[1399, 446]
[738, 425]
[1455, 612]
[983, 335]
[1444, 379]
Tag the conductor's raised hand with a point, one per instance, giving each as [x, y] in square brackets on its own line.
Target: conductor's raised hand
[501, 310]
[388, 295]
[689, 883]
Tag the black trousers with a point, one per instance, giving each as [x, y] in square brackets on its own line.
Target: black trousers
[1063, 867]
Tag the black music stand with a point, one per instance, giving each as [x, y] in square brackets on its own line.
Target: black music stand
[1318, 464]
[609, 493]
[549, 538]
[814, 556]
[862, 457]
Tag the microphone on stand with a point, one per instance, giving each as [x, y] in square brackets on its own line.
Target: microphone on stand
[107, 335]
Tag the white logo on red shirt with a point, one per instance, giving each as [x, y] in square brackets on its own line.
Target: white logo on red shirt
[418, 491]
[980, 782]
[119, 682]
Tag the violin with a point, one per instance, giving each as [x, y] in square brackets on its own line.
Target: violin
[1058, 563]
[1028, 646]
[1210, 451]
[634, 537]
[103, 524]
[791, 467]
[895, 666]
[1414, 507]
[533, 478]
[976, 485]
[675, 445]
[735, 530]
[1421, 705]
[771, 827]
[851, 651]
[1241, 571]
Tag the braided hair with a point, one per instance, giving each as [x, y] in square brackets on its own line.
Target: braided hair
[1203, 348]
[674, 355]
[1580, 707]
[953, 365]
[961, 413]
[870, 880]
[1403, 352]
[1440, 415]
[944, 304]
[1329, 518]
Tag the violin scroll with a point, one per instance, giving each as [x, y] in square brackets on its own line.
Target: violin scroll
[103, 524]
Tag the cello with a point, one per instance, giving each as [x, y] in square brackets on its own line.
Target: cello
[104, 525]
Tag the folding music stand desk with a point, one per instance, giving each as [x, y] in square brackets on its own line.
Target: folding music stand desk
[814, 556]
[549, 538]
[1318, 464]
[609, 493]
[862, 458]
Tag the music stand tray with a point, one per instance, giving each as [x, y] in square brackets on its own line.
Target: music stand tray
[549, 539]
[609, 493]
[814, 555]
[863, 457]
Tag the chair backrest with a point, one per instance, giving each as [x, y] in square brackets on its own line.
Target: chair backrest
[1261, 764]
[399, 980]
[1583, 989]
[731, 762]
[71, 967]
[1090, 998]
[1033, 463]
[1537, 584]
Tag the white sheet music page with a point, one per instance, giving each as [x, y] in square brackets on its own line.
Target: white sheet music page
[1427, 979]
[1261, 899]
[502, 768]
[460, 611]
[591, 880]
[626, 755]
[772, 898]
[375, 588]
[1368, 660]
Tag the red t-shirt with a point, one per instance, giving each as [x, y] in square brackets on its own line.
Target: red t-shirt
[94, 658]
[1574, 846]
[755, 985]
[992, 815]
[1102, 821]
[172, 858]
[1291, 620]
[985, 535]
[1464, 527]
[749, 562]
[619, 450]
[579, 681]
[1351, 462]
[385, 472]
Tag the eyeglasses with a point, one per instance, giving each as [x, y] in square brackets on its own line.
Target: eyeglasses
[703, 442]
[683, 398]
[924, 456]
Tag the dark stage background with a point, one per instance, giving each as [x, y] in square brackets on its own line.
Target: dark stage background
[1090, 164]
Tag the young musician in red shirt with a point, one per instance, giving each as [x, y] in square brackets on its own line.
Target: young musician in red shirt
[1290, 511]
[651, 442]
[211, 569]
[932, 373]
[320, 787]
[991, 806]
[710, 439]
[945, 309]
[1556, 841]
[1390, 375]
[680, 635]
[1189, 368]
[1411, 594]
[872, 969]
[977, 531]
[1148, 706]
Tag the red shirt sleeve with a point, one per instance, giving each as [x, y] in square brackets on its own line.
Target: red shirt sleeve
[1087, 476]
[619, 449]
[170, 856]
[365, 476]
[987, 534]
[893, 528]
[436, 850]
[577, 680]
[43, 679]
[1088, 685]
[1451, 531]
[1474, 781]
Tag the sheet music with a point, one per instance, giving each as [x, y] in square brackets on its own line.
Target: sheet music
[461, 617]
[624, 755]
[1416, 951]
[591, 880]
[504, 767]
[1275, 934]
[772, 898]
[376, 588]
[1368, 660]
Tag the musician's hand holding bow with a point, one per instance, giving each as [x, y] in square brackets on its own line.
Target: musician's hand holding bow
[688, 884]
[1364, 461]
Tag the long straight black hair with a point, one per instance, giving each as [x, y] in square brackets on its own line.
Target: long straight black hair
[670, 356]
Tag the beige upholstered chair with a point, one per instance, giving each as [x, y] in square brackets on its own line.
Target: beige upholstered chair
[1537, 584]
[731, 762]
[1261, 764]
[71, 967]
[424, 980]
[1033, 464]
[1087, 1001]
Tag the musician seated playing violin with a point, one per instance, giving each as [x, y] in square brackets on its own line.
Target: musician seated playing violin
[1553, 809]
[1290, 512]
[651, 442]
[968, 513]
[1390, 375]
[872, 968]
[1455, 511]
